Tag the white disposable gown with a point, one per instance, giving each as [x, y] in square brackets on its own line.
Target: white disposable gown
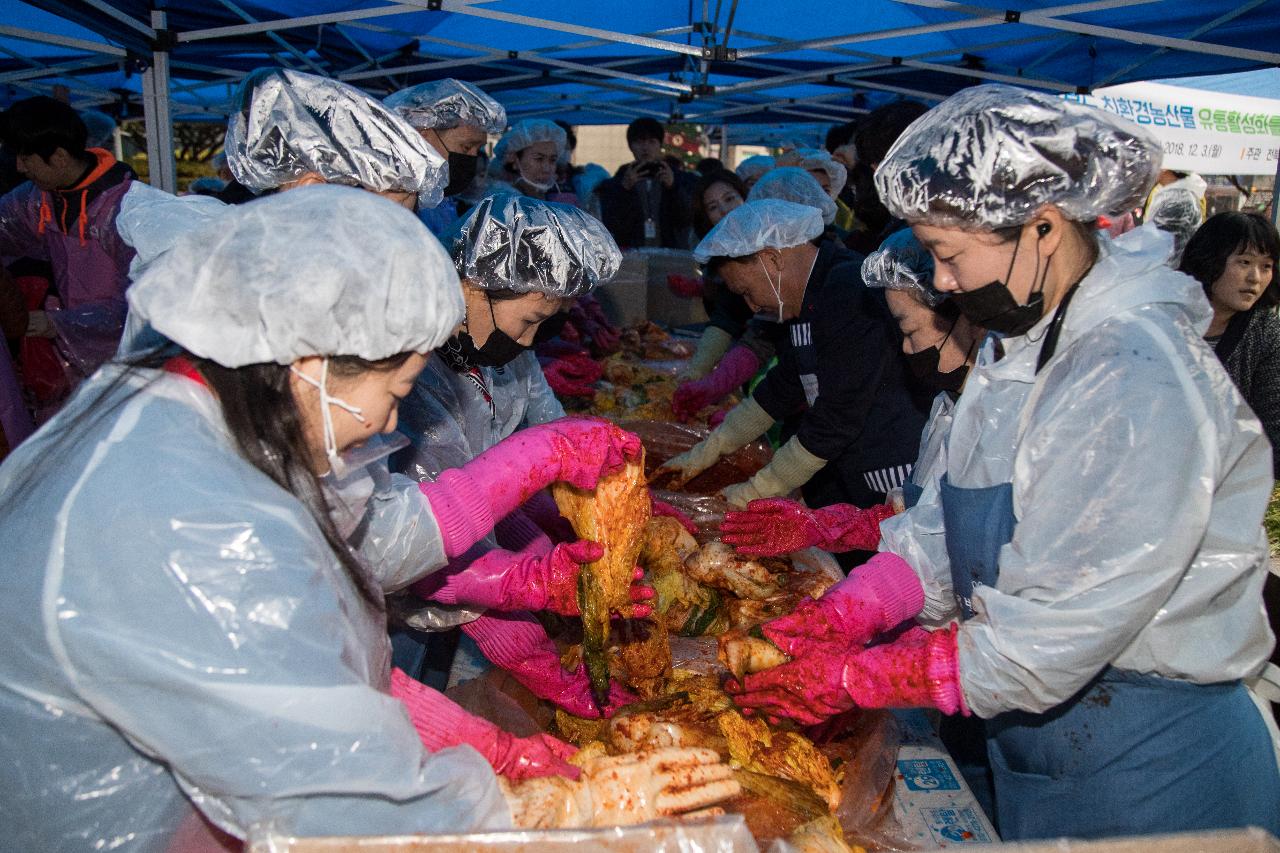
[181, 634]
[917, 536]
[1140, 478]
[449, 422]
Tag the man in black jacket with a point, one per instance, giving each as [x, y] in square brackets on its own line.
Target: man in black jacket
[840, 365]
[646, 202]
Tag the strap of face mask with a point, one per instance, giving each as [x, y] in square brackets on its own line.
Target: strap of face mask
[777, 290]
[326, 417]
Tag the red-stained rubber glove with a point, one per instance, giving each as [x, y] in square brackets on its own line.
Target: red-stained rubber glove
[772, 526]
[529, 580]
[466, 501]
[734, 370]
[917, 670]
[442, 723]
[662, 508]
[573, 376]
[876, 596]
[518, 644]
[606, 338]
[688, 286]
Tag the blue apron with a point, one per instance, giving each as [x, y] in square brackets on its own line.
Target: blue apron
[1129, 754]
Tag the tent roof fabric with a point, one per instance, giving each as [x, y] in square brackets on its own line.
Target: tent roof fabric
[605, 63]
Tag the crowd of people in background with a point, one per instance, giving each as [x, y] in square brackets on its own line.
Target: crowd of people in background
[304, 370]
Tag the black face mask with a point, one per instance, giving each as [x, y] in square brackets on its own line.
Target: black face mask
[550, 327]
[462, 171]
[924, 366]
[498, 350]
[993, 307]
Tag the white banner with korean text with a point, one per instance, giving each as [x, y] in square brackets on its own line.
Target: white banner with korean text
[1206, 132]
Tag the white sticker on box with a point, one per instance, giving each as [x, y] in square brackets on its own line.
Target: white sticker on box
[955, 826]
[927, 774]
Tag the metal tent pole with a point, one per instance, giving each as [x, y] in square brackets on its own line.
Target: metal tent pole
[1275, 192]
[155, 105]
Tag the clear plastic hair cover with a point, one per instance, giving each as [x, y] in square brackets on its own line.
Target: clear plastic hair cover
[753, 167]
[442, 104]
[901, 263]
[812, 159]
[319, 270]
[990, 156]
[764, 223]
[287, 124]
[525, 133]
[513, 242]
[791, 183]
[1176, 210]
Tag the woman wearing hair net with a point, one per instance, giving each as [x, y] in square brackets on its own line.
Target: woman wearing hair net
[828, 172]
[530, 151]
[1108, 593]
[736, 362]
[454, 118]
[751, 169]
[224, 650]
[839, 365]
[521, 262]
[289, 130]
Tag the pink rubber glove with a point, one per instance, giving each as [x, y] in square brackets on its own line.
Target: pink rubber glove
[466, 501]
[738, 365]
[917, 670]
[688, 286]
[772, 526]
[662, 508]
[573, 376]
[518, 644]
[527, 580]
[541, 509]
[519, 532]
[606, 338]
[876, 596]
[442, 723]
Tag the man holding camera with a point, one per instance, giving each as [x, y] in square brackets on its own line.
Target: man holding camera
[647, 203]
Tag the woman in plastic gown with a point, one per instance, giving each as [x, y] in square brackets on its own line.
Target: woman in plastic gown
[1097, 531]
[224, 648]
[529, 152]
[521, 261]
[455, 118]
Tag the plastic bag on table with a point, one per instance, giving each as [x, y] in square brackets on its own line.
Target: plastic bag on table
[663, 440]
[864, 744]
[497, 697]
[705, 511]
[724, 834]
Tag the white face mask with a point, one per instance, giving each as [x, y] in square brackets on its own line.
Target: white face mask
[336, 465]
[537, 186]
[366, 475]
[777, 289]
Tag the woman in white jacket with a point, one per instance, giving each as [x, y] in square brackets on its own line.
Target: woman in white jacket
[1101, 538]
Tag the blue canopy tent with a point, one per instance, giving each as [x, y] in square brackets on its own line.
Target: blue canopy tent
[708, 61]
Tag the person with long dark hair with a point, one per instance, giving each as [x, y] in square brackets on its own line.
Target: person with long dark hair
[1234, 256]
[190, 627]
